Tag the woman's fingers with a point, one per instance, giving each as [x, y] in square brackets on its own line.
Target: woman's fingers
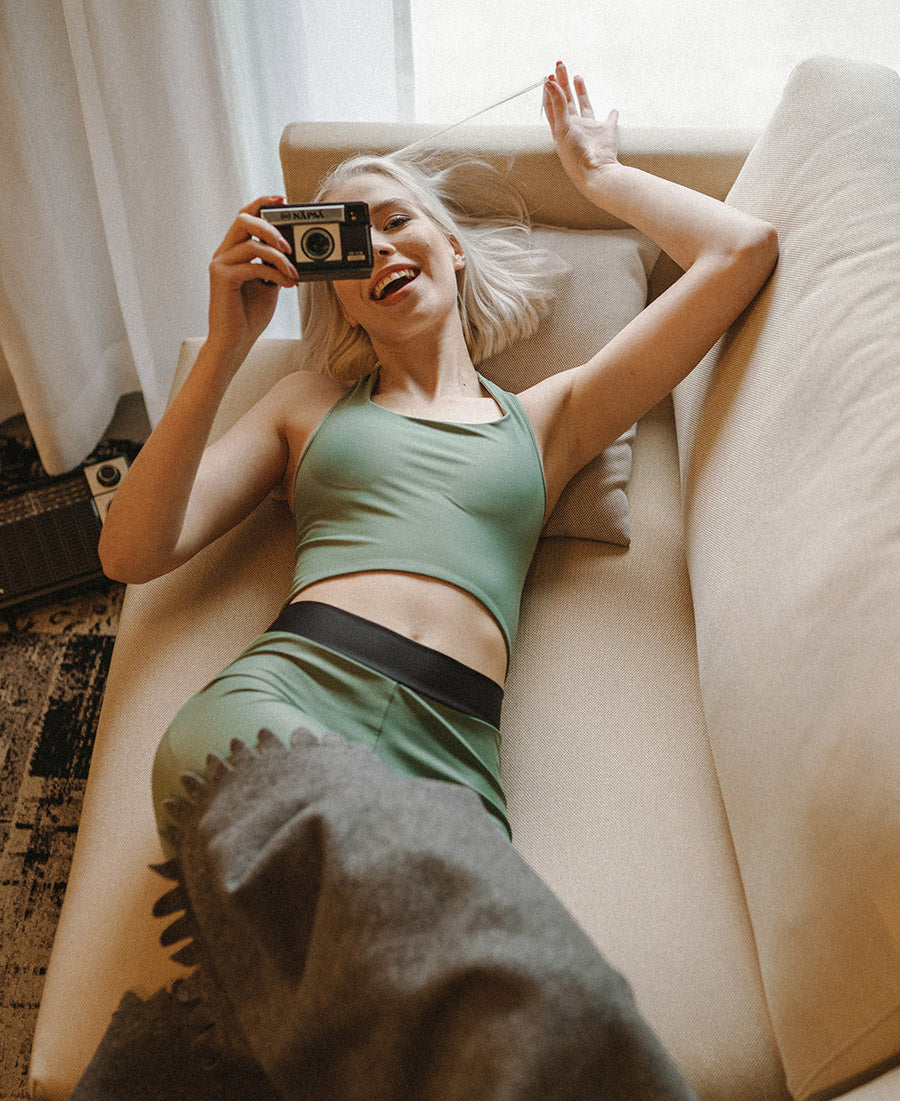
[264, 200]
[562, 78]
[553, 101]
[239, 274]
[584, 102]
[577, 103]
[582, 141]
[250, 257]
[575, 91]
[248, 224]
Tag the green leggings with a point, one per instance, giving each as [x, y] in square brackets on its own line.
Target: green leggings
[283, 681]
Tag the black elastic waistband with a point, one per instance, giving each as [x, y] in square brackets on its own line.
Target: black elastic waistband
[426, 671]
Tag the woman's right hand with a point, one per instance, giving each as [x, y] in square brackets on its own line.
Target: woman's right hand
[245, 274]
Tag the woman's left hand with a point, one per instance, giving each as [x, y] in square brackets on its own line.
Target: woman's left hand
[583, 143]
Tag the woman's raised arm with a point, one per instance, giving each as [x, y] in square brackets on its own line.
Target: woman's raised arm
[726, 255]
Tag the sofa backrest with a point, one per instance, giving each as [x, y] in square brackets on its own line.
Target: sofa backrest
[708, 161]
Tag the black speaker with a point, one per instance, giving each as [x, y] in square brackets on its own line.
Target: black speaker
[49, 534]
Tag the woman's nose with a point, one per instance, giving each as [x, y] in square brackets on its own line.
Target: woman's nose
[381, 244]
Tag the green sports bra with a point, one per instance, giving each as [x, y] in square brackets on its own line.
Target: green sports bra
[462, 503]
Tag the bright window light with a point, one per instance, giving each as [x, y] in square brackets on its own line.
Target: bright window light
[707, 63]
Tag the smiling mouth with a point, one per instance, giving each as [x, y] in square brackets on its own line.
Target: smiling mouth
[392, 282]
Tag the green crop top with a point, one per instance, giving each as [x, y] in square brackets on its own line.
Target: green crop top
[463, 503]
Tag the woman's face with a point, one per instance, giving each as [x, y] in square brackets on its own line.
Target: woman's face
[413, 282]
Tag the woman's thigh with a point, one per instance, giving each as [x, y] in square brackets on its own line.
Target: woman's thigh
[282, 682]
[277, 683]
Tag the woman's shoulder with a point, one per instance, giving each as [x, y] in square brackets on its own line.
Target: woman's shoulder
[304, 396]
[299, 402]
[311, 384]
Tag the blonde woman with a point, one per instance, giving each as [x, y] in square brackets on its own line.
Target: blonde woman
[418, 487]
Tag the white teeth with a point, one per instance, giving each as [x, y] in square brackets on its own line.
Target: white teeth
[382, 284]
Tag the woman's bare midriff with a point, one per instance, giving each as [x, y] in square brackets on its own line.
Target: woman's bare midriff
[431, 612]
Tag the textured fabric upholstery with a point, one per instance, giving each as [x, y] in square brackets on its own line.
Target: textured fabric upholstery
[790, 450]
[615, 788]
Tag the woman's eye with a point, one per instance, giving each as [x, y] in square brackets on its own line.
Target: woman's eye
[396, 221]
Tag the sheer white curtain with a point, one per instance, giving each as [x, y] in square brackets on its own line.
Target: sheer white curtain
[131, 134]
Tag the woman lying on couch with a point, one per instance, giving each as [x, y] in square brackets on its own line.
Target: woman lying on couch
[422, 577]
[419, 491]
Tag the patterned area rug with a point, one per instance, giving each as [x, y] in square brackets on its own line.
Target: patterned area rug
[53, 663]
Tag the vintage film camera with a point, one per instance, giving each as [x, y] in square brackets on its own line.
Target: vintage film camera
[328, 240]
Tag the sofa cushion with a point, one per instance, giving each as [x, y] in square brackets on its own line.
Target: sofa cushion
[604, 287]
[613, 798]
[789, 440]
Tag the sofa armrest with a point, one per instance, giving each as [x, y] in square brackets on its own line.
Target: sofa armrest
[789, 442]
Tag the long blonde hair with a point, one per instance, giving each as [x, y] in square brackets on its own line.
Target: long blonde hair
[505, 289]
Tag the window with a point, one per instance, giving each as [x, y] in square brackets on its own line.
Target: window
[716, 63]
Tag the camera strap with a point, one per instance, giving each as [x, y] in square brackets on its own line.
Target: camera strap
[484, 110]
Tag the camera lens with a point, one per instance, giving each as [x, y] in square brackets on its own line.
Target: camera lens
[317, 244]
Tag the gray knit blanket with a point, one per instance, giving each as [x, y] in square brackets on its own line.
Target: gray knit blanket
[363, 936]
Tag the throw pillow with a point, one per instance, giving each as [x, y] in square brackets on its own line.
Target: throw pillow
[603, 289]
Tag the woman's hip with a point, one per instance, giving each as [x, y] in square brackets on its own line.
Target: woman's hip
[283, 681]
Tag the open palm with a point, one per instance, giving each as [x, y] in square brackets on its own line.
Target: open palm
[583, 142]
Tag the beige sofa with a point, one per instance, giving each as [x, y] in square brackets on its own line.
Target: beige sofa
[701, 739]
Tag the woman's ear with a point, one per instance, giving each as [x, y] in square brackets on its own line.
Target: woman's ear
[459, 257]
